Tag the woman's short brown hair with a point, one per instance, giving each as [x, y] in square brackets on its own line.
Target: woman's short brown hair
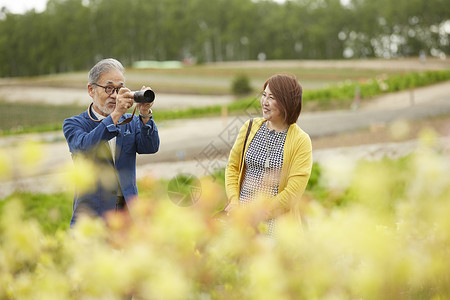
[288, 92]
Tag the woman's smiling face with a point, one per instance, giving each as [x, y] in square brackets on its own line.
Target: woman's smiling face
[270, 108]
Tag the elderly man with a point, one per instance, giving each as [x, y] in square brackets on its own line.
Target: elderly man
[109, 138]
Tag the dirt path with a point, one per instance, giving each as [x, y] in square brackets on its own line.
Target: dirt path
[409, 98]
[407, 64]
[64, 96]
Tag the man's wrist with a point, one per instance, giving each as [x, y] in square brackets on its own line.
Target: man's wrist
[147, 116]
[115, 116]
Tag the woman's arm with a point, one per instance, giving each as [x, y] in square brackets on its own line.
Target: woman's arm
[293, 184]
[232, 170]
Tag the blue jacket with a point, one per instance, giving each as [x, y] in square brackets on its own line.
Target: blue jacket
[88, 139]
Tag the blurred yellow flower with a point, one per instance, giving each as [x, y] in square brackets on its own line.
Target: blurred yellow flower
[388, 241]
[81, 176]
[399, 130]
[31, 153]
[5, 165]
[338, 171]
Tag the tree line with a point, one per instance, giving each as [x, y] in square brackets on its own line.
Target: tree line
[71, 35]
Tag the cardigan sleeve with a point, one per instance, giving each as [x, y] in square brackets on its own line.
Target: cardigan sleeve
[233, 169]
[294, 178]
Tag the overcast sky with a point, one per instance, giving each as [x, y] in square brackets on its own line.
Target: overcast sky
[21, 6]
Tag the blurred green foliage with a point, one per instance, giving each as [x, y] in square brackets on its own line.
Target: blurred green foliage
[73, 34]
[345, 92]
[52, 211]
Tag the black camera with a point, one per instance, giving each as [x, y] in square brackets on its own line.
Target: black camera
[146, 96]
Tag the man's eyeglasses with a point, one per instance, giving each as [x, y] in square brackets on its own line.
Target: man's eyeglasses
[109, 89]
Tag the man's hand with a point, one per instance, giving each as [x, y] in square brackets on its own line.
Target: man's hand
[124, 101]
[144, 108]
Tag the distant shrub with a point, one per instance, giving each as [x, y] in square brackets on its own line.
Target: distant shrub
[241, 85]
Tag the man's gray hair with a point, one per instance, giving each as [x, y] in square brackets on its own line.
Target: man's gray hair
[104, 66]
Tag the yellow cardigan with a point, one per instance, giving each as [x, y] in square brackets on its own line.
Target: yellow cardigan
[297, 164]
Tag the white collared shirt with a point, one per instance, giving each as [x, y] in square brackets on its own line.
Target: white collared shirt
[112, 146]
[111, 142]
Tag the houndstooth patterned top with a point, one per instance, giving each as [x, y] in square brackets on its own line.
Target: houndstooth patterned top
[260, 181]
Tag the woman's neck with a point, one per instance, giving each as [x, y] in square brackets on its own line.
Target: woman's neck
[278, 127]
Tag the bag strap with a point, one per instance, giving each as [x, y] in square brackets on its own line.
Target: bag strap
[223, 212]
[246, 138]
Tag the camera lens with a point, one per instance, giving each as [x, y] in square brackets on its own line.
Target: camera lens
[146, 96]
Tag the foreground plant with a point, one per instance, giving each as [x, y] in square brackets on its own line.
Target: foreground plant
[388, 242]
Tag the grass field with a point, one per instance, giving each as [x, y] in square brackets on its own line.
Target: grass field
[22, 118]
[213, 79]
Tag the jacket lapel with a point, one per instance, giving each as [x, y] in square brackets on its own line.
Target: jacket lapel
[123, 130]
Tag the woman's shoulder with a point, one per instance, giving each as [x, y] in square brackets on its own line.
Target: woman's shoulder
[257, 120]
[297, 130]
[297, 134]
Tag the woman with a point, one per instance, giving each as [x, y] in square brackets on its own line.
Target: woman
[274, 162]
